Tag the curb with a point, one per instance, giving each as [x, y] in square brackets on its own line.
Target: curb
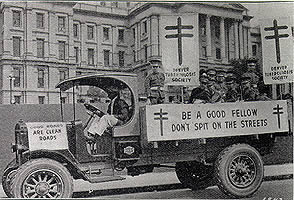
[152, 188]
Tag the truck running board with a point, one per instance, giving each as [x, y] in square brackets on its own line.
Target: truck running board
[99, 179]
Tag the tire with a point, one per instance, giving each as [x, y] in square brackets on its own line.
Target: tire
[239, 171]
[7, 176]
[194, 175]
[42, 178]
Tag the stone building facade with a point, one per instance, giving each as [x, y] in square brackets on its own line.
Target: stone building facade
[42, 43]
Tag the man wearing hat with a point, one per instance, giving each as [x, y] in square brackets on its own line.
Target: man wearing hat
[251, 72]
[154, 83]
[232, 94]
[197, 94]
[248, 93]
[220, 82]
[118, 114]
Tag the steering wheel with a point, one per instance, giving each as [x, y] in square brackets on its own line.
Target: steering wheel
[94, 109]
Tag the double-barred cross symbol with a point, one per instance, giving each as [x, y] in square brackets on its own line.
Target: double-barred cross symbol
[179, 27]
[278, 111]
[161, 118]
[277, 37]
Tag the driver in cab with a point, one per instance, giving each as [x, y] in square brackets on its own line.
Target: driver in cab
[117, 114]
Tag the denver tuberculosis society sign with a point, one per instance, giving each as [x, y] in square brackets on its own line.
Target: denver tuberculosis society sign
[277, 50]
[180, 55]
[191, 121]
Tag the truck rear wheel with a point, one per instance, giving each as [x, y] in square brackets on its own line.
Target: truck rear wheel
[7, 176]
[42, 178]
[194, 175]
[239, 170]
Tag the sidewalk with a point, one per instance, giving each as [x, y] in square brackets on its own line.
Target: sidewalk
[159, 181]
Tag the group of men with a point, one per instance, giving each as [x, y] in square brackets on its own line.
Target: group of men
[218, 86]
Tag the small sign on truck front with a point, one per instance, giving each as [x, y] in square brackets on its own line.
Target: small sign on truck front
[191, 121]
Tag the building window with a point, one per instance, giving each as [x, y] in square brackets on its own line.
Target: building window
[134, 56]
[76, 51]
[145, 52]
[16, 75]
[121, 58]
[105, 33]
[41, 99]
[134, 34]
[217, 29]
[90, 31]
[61, 24]
[254, 50]
[62, 100]
[91, 56]
[218, 53]
[76, 30]
[144, 27]
[61, 50]
[114, 4]
[121, 37]
[202, 25]
[106, 54]
[16, 15]
[16, 46]
[62, 75]
[40, 20]
[41, 78]
[40, 48]
[203, 51]
[17, 99]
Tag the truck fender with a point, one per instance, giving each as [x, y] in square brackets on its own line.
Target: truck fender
[64, 157]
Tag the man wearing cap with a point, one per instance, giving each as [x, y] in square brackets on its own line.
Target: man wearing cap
[220, 82]
[154, 83]
[248, 93]
[232, 94]
[251, 72]
[197, 94]
[118, 113]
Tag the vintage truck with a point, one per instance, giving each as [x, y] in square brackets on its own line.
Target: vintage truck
[210, 143]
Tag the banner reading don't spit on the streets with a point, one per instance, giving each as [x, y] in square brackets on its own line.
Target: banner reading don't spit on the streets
[190, 121]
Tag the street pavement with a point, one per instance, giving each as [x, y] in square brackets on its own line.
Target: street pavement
[159, 180]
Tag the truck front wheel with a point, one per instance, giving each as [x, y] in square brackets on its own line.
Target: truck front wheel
[194, 175]
[8, 175]
[239, 170]
[42, 178]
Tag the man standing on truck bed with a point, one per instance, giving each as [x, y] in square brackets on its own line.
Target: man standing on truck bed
[154, 83]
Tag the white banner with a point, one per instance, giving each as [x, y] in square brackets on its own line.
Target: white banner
[191, 121]
[180, 49]
[47, 135]
[277, 50]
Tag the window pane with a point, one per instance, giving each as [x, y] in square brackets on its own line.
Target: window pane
[41, 99]
[76, 49]
[16, 19]
[40, 20]
[17, 99]
[62, 75]
[76, 30]
[105, 33]
[91, 56]
[121, 58]
[121, 35]
[61, 24]
[16, 46]
[16, 75]
[61, 50]
[41, 80]
[40, 48]
[106, 57]
[90, 32]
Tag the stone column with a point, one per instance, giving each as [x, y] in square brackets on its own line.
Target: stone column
[208, 36]
[222, 39]
[241, 40]
[236, 40]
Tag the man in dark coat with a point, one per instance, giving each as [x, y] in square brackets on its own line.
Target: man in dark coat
[117, 114]
[247, 92]
[233, 92]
